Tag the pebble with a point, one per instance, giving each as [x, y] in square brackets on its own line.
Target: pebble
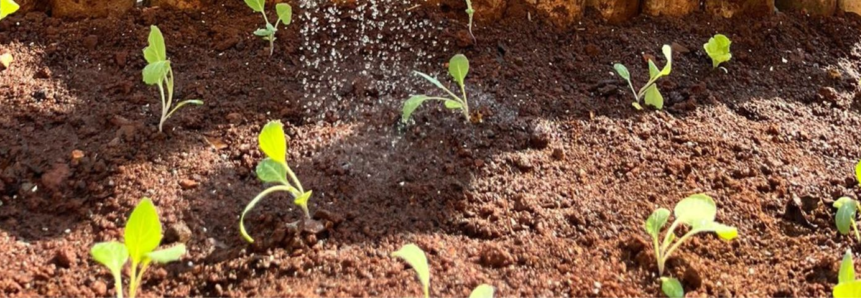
[100, 288]
[177, 232]
[66, 257]
[188, 184]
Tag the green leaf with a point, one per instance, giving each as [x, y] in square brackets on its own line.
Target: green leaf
[111, 254]
[482, 291]
[846, 216]
[841, 201]
[696, 210]
[156, 50]
[637, 105]
[723, 231]
[656, 221]
[256, 5]
[271, 171]
[167, 255]
[668, 53]
[653, 97]
[847, 268]
[858, 172]
[7, 7]
[155, 72]
[672, 287]
[413, 103]
[622, 71]
[718, 49]
[430, 79]
[263, 32]
[453, 104]
[458, 67]
[654, 72]
[273, 142]
[302, 201]
[285, 12]
[848, 290]
[143, 231]
[254, 202]
[414, 256]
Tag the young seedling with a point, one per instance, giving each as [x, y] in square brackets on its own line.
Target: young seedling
[274, 169]
[7, 7]
[142, 236]
[858, 172]
[845, 218]
[416, 258]
[718, 49]
[847, 286]
[458, 67]
[672, 287]
[649, 92]
[470, 12]
[285, 14]
[158, 72]
[697, 212]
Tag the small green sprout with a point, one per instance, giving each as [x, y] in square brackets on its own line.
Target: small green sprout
[698, 212]
[458, 67]
[274, 169]
[8, 7]
[845, 218]
[649, 92]
[142, 236]
[158, 72]
[858, 172]
[847, 286]
[416, 258]
[718, 49]
[285, 14]
[470, 11]
[672, 287]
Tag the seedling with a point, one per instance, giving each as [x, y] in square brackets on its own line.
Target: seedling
[8, 7]
[458, 67]
[285, 14]
[697, 212]
[847, 286]
[470, 12]
[142, 236]
[672, 287]
[649, 92]
[416, 258]
[274, 169]
[845, 218]
[858, 172]
[718, 49]
[158, 72]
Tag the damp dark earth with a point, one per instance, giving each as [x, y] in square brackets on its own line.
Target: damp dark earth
[543, 192]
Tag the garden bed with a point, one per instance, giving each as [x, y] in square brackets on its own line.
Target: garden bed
[546, 197]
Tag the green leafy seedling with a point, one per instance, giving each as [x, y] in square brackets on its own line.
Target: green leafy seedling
[672, 287]
[416, 258]
[285, 15]
[158, 72]
[142, 236]
[718, 49]
[845, 219]
[470, 11]
[847, 286]
[8, 7]
[274, 169]
[649, 93]
[458, 67]
[697, 212]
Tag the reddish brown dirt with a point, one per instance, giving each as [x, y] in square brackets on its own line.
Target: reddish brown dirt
[545, 198]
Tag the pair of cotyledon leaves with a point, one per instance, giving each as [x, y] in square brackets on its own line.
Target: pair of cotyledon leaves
[142, 235]
[652, 95]
[718, 49]
[416, 258]
[283, 10]
[458, 68]
[698, 212]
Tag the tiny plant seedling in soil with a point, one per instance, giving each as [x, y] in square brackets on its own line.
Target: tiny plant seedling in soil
[285, 15]
[274, 169]
[8, 7]
[158, 72]
[845, 218]
[416, 258]
[142, 236]
[672, 287]
[697, 212]
[470, 11]
[458, 67]
[718, 49]
[847, 286]
[649, 93]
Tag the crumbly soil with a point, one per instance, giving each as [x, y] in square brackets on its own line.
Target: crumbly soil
[545, 197]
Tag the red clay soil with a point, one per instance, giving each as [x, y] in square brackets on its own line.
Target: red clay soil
[546, 197]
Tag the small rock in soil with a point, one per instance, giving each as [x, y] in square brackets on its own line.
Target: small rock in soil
[540, 136]
[90, 42]
[56, 177]
[558, 154]
[77, 155]
[832, 96]
[794, 212]
[679, 48]
[313, 227]
[524, 164]
[328, 216]
[66, 257]
[188, 183]
[177, 232]
[43, 73]
[100, 288]
[495, 257]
